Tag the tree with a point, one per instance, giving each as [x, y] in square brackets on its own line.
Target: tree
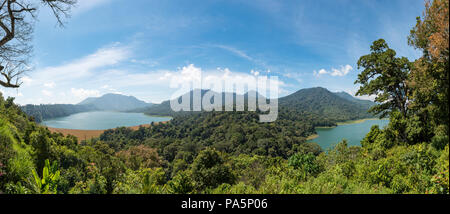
[209, 170]
[430, 74]
[304, 162]
[16, 23]
[385, 76]
[180, 184]
[140, 157]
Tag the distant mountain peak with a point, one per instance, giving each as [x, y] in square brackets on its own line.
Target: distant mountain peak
[115, 102]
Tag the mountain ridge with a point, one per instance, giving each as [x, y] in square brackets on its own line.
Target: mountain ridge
[115, 102]
[319, 101]
[106, 102]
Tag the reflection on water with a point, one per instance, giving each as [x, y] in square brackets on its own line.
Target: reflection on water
[99, 120]
[353, 133]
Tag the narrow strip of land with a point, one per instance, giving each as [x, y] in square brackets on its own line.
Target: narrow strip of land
[89, 134]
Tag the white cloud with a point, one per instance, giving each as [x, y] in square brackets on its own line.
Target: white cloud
[296, 76]
[344, 70]
[214, 79]
[256, 73]
[83, 67]
[236, 51]
[242, 54]
[26, 80]
[320, 72]
[85, 72]
[79, 69]
[49, 85]
[209, 79]
[109, 70]
[145, 62]
[84, 93]
[188, 73]
[47, 93]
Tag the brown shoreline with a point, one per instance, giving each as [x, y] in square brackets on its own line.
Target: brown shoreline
[89, 134]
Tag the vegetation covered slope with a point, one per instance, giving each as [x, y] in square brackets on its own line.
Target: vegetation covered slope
[43, 112]
[199, 153]
[327, 107]
[323, 103]
[120, 162]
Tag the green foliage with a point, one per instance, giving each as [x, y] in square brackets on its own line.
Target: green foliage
[209, 170]
[231, 152]
[140, 156]
[441, 179]
[305, 162]
[142, 181]
[15, 161]
[94, 183]
[180, 184]
[50, 177]
[384, 76]
[440, 139]
[153, 181]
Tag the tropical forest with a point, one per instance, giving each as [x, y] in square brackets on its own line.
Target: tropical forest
[232, 152]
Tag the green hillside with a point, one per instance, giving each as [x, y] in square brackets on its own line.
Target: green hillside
[233, 153]
[327, 107]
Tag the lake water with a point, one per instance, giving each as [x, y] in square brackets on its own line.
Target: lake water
[353, 133]
[99, 120]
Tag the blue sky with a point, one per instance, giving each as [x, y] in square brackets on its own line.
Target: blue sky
[135, 47]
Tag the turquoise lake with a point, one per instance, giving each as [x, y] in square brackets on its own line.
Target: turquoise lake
[353, 133]
[99, 120]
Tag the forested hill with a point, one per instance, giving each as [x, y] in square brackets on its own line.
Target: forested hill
[164, 108]
[327, 107]
[115, 102]
[107, 102]
[324, 104]
[43, 112]
[345, 95]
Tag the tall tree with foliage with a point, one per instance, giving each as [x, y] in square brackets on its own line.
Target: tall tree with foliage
[385, 76]
[429, 79]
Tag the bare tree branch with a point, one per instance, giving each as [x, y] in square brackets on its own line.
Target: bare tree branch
[16, 27]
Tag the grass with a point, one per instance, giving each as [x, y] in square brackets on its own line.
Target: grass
[311, 137]
[89, 134]
[162, 116]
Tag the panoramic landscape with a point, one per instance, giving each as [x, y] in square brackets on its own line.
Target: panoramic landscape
[224, 97]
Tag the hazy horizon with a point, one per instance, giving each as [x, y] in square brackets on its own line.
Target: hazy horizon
[358, 97]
